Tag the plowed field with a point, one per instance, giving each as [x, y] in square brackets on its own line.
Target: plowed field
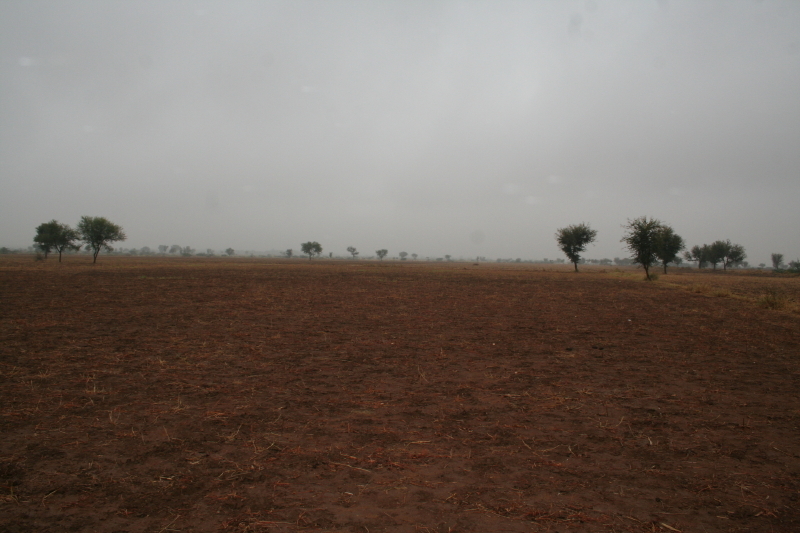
[188, 394]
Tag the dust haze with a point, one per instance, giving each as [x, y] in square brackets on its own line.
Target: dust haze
[460, 128]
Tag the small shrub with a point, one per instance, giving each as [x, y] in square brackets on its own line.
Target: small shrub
[773, 299]
[653, 276]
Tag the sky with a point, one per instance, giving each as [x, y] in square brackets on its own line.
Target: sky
[463, 128]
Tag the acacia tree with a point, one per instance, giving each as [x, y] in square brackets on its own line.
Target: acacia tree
[55, 236]
[668, 246]
[353, 251]
[716, 253]
[777, 261]
[731, 254]
[698, 254]
[574, 239]
[229, 251]
[640, 239]
[414, 257]
[403, 256]
[98, 233]
[381, 253]
[288, 253]
[311, 248]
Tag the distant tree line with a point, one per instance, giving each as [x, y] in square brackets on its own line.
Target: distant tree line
[652, 242]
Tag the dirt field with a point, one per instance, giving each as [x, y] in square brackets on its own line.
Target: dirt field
[187, 394]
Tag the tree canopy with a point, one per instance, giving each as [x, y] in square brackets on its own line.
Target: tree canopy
[98, 233]
[640, 239]
[574, 239]
[55, 236]
[668, 245]
[381, 253]
[311, 248]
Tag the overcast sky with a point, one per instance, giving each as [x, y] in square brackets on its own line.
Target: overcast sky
[461, 128]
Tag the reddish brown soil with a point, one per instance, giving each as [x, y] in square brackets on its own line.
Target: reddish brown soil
[243, 395]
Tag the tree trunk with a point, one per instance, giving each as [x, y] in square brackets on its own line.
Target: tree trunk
[576, 265]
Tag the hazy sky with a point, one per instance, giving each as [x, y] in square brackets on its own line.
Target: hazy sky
[461, 128]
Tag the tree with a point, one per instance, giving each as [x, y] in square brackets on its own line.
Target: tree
[668, 246]
[574, 239]
[98, 233]
[289, 253]
[697, 254]
[734, 255]
[403, 256]
[717, 251]
[414, 257]
[311, 248]
[162, 248]
[229, 251]
[381, 253]
[187, 251]
[175, 249]
[55, 236]
[641, 241]
[777, 261]
[353, 251]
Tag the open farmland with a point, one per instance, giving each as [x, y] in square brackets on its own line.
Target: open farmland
[161, 394]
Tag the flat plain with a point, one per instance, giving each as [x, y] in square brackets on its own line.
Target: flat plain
[224, 394]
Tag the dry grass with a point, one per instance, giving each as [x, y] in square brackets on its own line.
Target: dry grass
[773, 299]
[700, 288]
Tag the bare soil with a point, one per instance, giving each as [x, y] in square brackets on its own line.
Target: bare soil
[188, 394]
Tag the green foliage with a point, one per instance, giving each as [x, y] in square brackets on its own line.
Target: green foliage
[98, 233]
[668, 246]
[574, 239]
[381, 253]
[311, 248]
[641, 239]
[55, 236]
[727, 253]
